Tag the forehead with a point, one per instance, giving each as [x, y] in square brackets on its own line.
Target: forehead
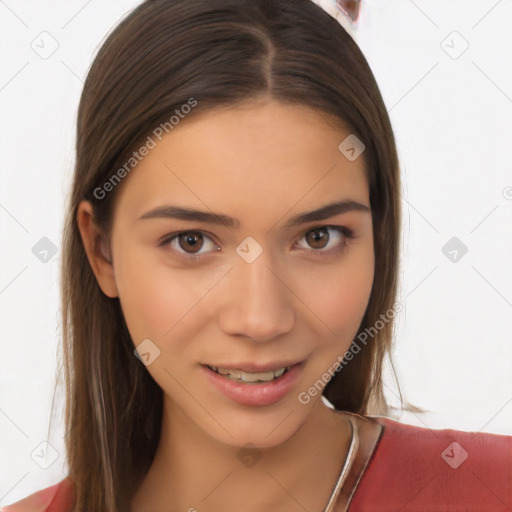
[257, 161]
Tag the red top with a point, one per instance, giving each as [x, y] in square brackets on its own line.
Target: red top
[407, 468]
[419, 469]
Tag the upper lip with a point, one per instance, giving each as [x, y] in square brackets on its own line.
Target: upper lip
[253, 368]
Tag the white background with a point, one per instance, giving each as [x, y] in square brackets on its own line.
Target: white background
[452, 119]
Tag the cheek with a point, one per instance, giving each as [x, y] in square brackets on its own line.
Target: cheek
[159, 302]
[341, 293]
[339, 298]
[150, 307]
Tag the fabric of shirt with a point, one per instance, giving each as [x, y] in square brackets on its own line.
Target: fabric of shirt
[422, 469]
[411, 469]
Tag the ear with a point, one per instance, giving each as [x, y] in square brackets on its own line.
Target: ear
[97, 250]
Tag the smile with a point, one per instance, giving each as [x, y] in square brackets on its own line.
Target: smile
[242, 376]
[254, 388]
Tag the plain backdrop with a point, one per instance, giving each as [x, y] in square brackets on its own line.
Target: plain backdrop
[445, 72]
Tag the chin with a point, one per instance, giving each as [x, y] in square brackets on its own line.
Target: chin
[266, 427]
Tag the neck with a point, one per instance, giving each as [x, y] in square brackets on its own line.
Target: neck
[191, 470]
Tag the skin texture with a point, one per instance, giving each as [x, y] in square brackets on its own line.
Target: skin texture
[262, 163]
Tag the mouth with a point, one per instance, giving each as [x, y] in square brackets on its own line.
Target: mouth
[239, 375]
[246, 386]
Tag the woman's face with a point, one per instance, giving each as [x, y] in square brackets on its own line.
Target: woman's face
[248, 284]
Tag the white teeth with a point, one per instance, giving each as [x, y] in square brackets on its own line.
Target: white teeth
[241, 376]
[279, 372]
[255, 377]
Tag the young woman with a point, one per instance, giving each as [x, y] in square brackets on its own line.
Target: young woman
[230, 276]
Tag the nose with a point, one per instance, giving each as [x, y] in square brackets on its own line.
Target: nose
[257, 304]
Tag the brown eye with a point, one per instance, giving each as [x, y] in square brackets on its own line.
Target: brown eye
[317, 238]
[190, 246]
[325, 240]
[191, 241]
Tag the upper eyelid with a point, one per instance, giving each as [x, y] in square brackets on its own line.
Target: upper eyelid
[344, 230]
[171, 236]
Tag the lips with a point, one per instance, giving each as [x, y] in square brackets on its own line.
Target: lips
[255, 392]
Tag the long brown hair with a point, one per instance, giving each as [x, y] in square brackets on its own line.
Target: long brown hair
[220, 53]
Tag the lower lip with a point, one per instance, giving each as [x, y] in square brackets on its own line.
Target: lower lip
[263, 393]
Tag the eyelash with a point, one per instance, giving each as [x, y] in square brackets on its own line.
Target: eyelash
[194, 258]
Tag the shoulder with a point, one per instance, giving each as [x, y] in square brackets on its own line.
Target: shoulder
[459, 445]
[416, 467]
[57, 498]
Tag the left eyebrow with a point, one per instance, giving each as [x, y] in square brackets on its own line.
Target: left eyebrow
[325, 212]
